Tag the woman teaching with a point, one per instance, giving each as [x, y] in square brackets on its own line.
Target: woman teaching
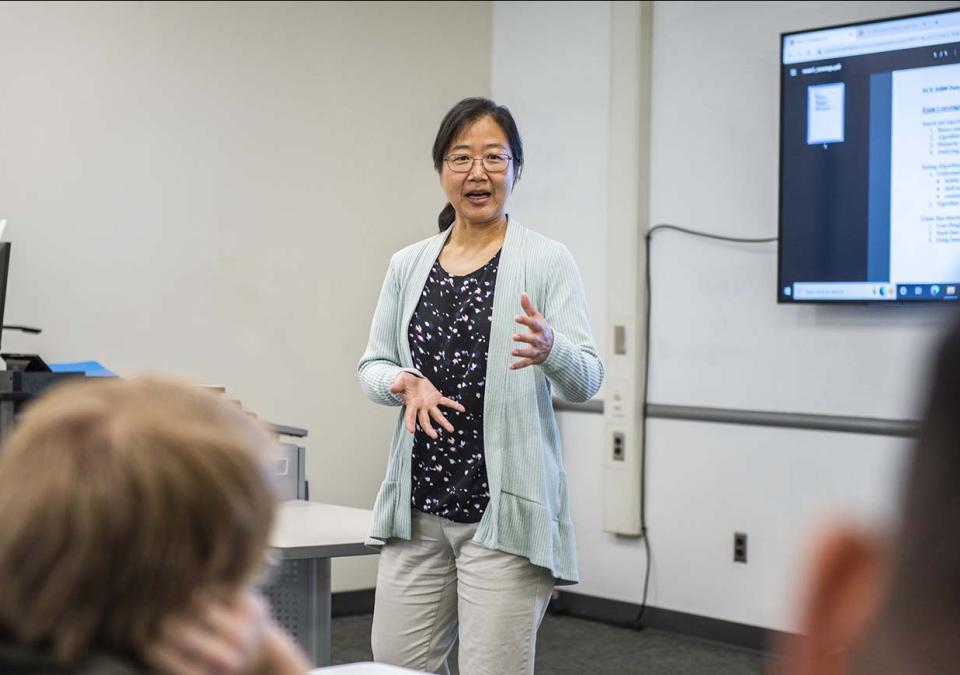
[476, 328]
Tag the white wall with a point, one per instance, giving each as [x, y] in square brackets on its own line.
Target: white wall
[707, 481]
[714, 166]
[718, 338]
[551, 67]
[215, 189]
[553, 63]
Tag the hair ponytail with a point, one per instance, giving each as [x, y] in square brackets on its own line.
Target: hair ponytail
[447, 216]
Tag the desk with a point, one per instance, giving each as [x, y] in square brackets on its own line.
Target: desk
[16, 388]
[307, 535]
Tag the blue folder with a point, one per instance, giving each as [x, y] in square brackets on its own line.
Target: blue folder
[88, 368]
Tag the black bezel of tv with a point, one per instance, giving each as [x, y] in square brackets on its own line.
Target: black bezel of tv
[780, 64]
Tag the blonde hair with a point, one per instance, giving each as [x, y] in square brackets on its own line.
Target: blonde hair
[118, 501]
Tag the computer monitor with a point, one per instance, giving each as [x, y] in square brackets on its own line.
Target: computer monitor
[870, 162]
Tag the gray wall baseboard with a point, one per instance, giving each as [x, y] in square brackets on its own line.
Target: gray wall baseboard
[624, 614]
[352, 603]
[617, 613]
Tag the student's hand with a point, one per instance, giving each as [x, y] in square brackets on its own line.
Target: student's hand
[423, 403]
[540, 337]
[225, 636]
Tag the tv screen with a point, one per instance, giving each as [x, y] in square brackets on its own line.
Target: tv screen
[870, 162]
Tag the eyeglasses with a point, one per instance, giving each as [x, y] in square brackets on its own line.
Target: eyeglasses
[492, 163]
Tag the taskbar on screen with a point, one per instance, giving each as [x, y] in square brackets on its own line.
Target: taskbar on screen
[869, 291]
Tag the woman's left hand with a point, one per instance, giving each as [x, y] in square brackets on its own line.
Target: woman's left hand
[540, 337]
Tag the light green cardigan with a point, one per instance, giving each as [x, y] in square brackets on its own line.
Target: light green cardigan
[529, 510]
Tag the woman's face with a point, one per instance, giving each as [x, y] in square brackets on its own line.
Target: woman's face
[479, 196]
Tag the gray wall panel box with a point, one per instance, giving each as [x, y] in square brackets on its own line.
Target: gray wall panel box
[290, 472]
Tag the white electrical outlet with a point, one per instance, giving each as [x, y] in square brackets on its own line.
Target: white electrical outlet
[616, 402]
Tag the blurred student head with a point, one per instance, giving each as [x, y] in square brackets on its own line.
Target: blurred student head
[119, 501]
[878, 607]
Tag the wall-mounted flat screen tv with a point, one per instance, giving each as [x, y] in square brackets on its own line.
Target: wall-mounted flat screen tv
[870, 162]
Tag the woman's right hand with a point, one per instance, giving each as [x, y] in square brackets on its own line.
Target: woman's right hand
[423, 403]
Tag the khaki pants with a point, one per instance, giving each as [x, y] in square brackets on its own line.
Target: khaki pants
[427, 584]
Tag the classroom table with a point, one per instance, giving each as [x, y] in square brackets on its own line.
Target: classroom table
[307, 536]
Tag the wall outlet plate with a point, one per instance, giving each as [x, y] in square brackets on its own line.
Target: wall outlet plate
[740, 547]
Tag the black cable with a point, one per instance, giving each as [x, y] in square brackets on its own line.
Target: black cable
[637, 623]
[698, 233]
[24, 329]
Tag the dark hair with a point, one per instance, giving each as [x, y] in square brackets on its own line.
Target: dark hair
[466, 112]
[925, 583]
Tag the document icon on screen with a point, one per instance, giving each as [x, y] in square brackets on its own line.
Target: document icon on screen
[825, 110]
